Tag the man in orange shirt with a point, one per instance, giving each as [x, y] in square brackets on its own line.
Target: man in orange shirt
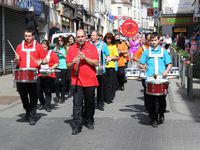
[122, 49]
[82, 57]
[136, 57]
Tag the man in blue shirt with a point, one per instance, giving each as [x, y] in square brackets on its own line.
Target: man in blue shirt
[100, 69]
[156, 61]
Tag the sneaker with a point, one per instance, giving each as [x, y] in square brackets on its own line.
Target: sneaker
[154, 124]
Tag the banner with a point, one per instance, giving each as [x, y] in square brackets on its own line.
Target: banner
[129, 28]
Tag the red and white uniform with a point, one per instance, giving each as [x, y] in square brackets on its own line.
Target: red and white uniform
[52, 59]
[28, 54]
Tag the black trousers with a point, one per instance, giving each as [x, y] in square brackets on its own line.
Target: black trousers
[61, 82]
[145, 95]
[45, 88]
[156, 106]
[28, 95]
[110, 84]
[121, 76]
[83, 105]
[100, 90]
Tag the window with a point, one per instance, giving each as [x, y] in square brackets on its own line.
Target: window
[119, 11]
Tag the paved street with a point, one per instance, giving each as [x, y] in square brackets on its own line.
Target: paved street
[122, 126]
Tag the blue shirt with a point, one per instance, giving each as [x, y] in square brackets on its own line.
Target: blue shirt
[105, 52]
[149, 61]
[62, 60]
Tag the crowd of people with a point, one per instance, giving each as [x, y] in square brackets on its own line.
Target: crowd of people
[89, 69]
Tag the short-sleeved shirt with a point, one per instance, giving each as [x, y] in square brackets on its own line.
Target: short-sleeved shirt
[87, 73]
[104, 48]
[62, 60]
[36, 53]
[162, 61]
[140, 50]
[122, 47]
[113, 53]
[52, 60]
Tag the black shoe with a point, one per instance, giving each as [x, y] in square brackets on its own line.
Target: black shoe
[109, 102]
[56, 100]
[161, 119]
[122, 88]
[76, 130]
[154, 124]
[90, 126]
[48, 109]
[41, 107]
[62, 100]
[31, 121]
[101, 108]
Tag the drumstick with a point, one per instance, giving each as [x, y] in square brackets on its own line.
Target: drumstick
[11, 46]
[33, 58]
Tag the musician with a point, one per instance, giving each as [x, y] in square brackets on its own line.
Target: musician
[100, 69]
[136, 57]
[111, 69]
[61, 74]
[46, 77]
[122, 50]
[28, 55]
[82, 57]
[156, 61]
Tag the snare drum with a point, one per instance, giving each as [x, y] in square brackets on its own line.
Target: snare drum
[132, 73]
[173, 73]
[25, 75]
[157, 87]
[143, 74]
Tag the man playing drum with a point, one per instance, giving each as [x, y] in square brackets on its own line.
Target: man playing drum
[28, 57]
[157, 62]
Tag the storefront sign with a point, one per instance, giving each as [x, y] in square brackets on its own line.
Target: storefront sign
[177, 20]
[129, 28]
[177, 6]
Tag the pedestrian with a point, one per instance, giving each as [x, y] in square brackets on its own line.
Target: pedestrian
[46, 77]
[111, 67]
[61, 70]
[28, 55]
[82, 57]
[101, 68]
[156, 61]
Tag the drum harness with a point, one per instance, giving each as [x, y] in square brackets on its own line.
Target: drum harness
[155, 56]
[28, 51]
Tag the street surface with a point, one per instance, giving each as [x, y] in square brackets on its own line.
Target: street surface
[122, 126]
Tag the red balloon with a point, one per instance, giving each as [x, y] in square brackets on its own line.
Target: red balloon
[129, 28]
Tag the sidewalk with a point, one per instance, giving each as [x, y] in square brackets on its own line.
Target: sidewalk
[180, 102]
[8, 94]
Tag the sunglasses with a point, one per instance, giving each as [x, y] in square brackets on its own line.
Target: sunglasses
[60, 40]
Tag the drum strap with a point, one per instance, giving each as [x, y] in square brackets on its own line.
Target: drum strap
[28, 52]
[155, 56]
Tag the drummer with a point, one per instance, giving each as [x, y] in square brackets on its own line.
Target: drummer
[46, 77]
[29, 54]
[156, 61]
[136, 57]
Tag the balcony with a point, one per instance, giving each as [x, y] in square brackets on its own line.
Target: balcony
[122, 2]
